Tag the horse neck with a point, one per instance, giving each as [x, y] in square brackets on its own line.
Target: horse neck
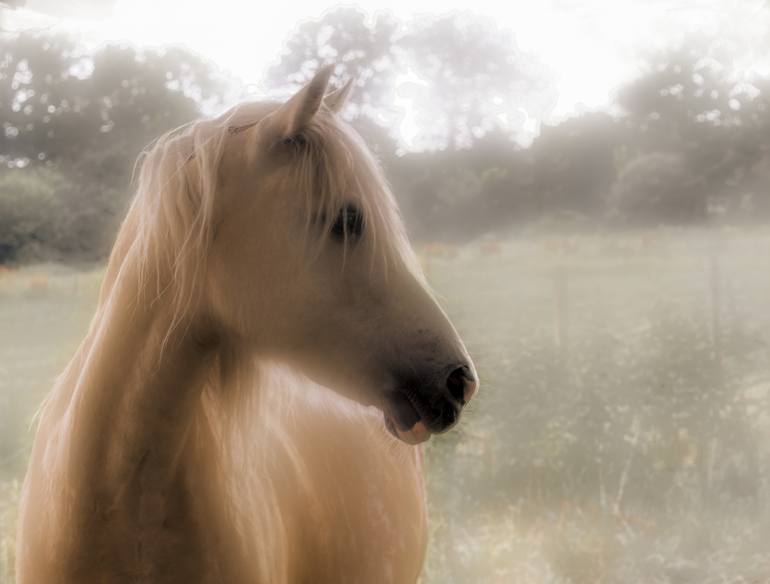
[128, 398]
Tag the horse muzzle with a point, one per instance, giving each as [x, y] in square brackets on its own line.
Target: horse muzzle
[423, 405]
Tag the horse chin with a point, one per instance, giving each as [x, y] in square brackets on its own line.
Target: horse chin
[417, 434]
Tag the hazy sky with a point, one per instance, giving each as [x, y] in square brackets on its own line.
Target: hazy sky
[592, 46]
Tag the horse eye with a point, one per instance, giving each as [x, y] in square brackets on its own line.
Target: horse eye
[348, 224]
[297, 142]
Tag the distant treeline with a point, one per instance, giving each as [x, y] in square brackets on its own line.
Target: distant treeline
[689, 140]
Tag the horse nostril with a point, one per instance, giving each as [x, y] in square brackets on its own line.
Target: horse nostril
[461, 384]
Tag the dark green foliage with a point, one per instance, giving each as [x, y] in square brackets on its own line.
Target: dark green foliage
[30, 209]
[72, 126]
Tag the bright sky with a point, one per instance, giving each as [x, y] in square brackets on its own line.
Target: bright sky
[592, 46]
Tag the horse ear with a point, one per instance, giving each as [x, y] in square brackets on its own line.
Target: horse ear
[289, 119]
[336, 100]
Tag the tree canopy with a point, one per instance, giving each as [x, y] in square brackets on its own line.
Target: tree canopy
[74, 123]
[688, 136]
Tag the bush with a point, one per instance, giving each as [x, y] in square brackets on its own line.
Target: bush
[46, 215]
[30, 212]
[658, 187]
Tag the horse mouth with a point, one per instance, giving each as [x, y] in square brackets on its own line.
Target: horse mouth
[404, 418]
[417, 434]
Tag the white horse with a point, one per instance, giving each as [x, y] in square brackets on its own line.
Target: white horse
[192, 437]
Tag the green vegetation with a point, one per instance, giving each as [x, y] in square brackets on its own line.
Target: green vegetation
[686, 142]
[621, 433]
[73, 124]
[636, 453]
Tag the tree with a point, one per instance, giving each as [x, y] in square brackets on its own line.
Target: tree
[575, 163]
[29, 211]
[688, 101]
[74, 123]
[658, 188]
[39, 96]
[57, 102]
[476, 78]
[750, 151]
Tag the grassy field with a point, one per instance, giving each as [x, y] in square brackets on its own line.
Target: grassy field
[621, 434]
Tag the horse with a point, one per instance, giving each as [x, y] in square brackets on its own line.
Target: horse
[264, 360]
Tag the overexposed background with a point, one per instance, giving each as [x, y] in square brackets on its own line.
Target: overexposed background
[587, 184]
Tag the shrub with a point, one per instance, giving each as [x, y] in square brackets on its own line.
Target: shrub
[30, 211]
[47, 215]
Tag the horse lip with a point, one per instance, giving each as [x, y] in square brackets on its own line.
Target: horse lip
[403, 420]
[415, 435]
[410, 418]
